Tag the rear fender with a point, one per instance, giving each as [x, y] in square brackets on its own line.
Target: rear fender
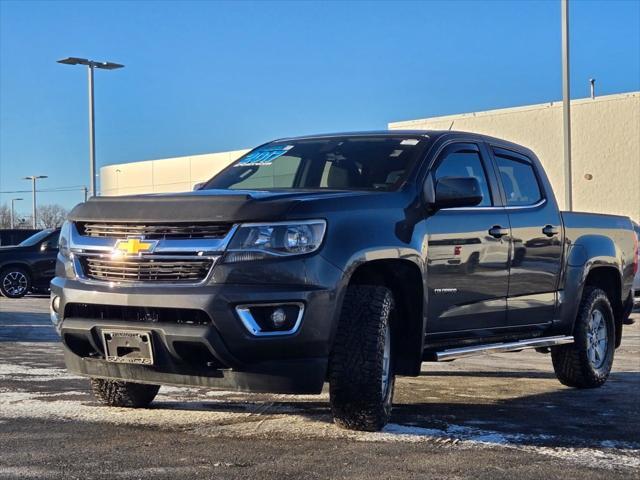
[587, 253]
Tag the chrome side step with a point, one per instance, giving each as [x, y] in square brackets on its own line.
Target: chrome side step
[453, 353]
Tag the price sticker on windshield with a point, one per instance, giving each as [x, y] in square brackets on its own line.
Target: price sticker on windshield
[263, 156]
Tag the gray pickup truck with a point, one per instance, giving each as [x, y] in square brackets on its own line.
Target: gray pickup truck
[347, 259]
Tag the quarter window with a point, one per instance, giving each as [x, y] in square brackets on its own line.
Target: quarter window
[519, 181]
[465, 164]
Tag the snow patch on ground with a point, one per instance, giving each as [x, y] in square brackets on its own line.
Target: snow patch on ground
[215, 417]
[28, 372]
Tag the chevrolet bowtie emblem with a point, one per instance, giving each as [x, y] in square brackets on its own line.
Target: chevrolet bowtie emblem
[134, 246]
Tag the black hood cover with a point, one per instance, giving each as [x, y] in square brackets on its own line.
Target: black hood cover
[198, 206]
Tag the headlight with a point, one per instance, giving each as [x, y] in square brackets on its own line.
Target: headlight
[65, 256]
[63, 242]
[256, 241]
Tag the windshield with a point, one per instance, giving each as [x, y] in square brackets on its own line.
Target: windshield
[35, 238]
[339, 163]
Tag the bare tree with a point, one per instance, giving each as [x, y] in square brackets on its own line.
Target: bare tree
[51, 216]
[5, 216]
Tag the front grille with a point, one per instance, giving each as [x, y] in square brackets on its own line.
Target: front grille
[136, 314]
[145, 269]
[154, 231]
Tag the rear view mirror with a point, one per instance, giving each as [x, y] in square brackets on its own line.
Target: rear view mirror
[455, 192]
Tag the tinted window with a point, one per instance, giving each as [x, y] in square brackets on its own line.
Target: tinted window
[279, 174]
[465, 164]
[35, 238]
[518, 180]
[341, 163]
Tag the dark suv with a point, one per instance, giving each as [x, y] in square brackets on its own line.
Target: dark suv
[30, 265]
[347, 258]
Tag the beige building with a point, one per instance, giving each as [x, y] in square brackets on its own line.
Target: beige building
[178, 174]
[605, 145]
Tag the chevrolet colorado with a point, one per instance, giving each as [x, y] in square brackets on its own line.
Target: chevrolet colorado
[347, 258]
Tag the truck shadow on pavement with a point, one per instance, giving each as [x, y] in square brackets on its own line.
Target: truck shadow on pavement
[26, 327]
[564, 417]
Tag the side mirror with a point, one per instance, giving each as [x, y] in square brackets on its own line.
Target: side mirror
[46, 246]
[198, 186]
[455, 192]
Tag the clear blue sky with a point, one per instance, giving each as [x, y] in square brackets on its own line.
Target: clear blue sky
[209, 76]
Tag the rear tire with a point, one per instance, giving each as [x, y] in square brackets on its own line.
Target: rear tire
[15, 282]
[587, 362]
[361, 376]
[117, 393]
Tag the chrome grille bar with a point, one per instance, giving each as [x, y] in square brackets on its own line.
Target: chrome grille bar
[154, 231]
[151, 268]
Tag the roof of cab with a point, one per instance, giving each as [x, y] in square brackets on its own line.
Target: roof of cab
[428, 134]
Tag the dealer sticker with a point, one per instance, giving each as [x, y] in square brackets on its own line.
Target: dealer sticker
[263, 156]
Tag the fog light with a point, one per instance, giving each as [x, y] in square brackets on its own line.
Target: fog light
[55, 304]
[278, 318]
[271, 319]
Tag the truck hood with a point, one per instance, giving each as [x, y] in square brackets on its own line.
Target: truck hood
[201, 206]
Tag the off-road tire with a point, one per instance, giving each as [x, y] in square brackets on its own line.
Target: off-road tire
[571, 362]
[117, 393]
[8, 271]
[356, 362]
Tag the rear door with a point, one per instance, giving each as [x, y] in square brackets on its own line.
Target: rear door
[536, 239]
[467, 256]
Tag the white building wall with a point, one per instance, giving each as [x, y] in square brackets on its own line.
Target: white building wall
[605, 145]
[178, 174]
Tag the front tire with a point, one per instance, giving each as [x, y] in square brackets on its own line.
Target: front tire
[587, 362]
[117, 393]
[15, 282]
[361, 376]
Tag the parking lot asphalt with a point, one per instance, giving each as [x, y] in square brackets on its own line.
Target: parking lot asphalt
[494, 416]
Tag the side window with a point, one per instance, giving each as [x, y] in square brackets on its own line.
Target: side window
[519, 181]
[466, 163]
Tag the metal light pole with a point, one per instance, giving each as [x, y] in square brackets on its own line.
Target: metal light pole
[91, 64]
[33, 179]
[566, 106]
[13, 200]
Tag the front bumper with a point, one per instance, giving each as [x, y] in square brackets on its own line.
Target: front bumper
[218, 354]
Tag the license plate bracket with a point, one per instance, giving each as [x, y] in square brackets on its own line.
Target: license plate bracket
[128, 346]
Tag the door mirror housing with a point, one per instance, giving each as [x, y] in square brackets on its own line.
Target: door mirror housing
[47, 246]
[198, 186]
[456, 192]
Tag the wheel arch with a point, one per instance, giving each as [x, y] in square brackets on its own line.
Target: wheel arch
[404, 278]
[593, 260]
[14, 263]
[609, 279]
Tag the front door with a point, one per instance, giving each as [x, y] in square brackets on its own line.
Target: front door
[467, 251]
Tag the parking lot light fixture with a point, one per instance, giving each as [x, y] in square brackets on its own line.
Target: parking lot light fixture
[13, 200]
[33, 179]
[91, 65]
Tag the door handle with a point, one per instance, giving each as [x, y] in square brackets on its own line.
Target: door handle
[498, 232]
[550, 230]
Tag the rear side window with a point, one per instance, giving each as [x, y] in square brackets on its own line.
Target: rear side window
[465, 164]
[519, 181]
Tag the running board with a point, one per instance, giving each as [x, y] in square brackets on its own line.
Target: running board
[454, 353]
